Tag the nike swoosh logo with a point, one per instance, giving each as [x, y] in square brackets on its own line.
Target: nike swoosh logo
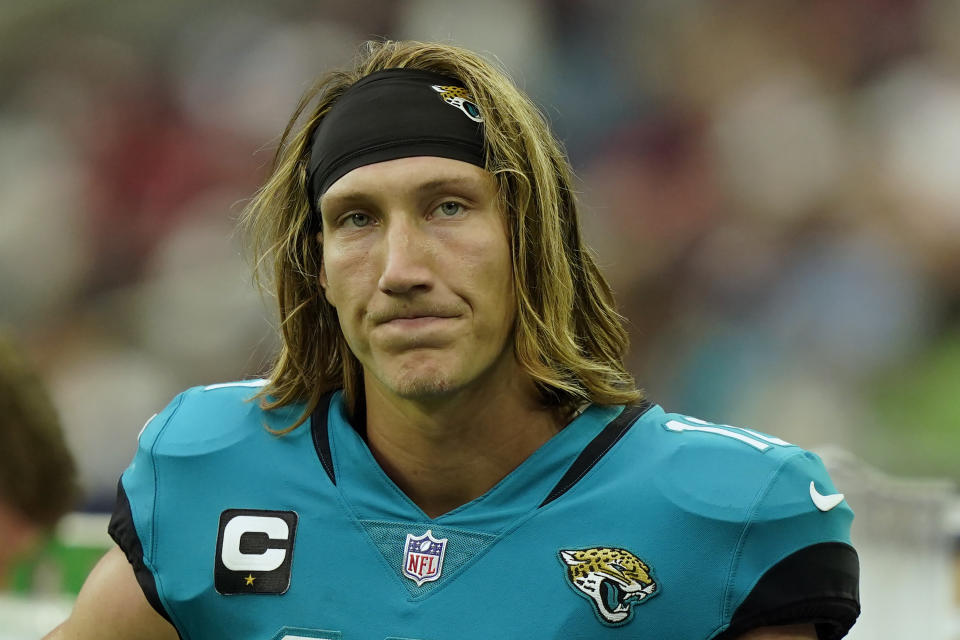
[824, 503]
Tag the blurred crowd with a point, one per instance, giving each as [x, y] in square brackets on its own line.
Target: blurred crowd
[772, 187]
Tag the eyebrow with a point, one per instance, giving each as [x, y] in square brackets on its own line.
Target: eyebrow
[439, 184]
[424, 188]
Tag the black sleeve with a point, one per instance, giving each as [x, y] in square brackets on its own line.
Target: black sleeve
[818, 584]
[124, 533]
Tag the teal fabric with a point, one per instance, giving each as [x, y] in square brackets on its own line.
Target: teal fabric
[708, 513]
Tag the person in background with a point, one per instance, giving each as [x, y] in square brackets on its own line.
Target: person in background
[38, 481]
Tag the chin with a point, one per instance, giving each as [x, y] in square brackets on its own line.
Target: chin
[423, 387]
[423, 381]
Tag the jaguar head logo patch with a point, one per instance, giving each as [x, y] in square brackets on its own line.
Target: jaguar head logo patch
[458, 98]
[613, 580]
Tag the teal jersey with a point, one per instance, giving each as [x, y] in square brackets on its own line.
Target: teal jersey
[629, 523]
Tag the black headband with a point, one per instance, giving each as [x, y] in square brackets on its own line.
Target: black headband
[396, 113]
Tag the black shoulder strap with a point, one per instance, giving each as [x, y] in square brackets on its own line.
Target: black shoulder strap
[321, 435]
[597, 448]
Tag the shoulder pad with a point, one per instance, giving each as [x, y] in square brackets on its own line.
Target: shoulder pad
[717, 470]
[204, 419]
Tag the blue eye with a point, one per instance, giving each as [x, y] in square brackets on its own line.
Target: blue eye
[450, 208]
[358, 219]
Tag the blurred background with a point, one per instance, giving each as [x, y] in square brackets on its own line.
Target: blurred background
[772, 187]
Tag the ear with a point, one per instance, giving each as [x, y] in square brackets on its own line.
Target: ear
[567, 557]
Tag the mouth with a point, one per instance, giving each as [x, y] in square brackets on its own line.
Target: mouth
[413, 322]
[617, 598]
[613, 596]
[400, 315]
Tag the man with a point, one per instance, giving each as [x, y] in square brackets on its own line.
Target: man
[449, 445]
[37, 474]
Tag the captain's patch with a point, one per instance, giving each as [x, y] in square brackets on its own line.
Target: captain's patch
[254, 551]
[613, 580]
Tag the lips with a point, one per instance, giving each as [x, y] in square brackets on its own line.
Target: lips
[411, 317]
[415, 321]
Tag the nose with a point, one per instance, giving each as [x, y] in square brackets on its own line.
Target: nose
[406, 258]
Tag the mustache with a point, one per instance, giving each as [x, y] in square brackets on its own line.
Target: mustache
[379, 316]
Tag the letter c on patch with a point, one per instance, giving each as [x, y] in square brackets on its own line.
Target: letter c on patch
[270, 559]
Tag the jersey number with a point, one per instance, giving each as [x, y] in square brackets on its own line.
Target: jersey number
[756, 440]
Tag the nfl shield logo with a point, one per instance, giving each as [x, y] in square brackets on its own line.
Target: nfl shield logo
[423, 557]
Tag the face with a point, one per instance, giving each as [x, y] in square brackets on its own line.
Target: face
[416, 260]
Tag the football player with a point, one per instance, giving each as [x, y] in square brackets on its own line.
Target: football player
[449, 445]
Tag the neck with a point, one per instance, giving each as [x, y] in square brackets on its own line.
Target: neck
[445, 451]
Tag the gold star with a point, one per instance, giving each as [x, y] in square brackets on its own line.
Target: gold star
[250, 580]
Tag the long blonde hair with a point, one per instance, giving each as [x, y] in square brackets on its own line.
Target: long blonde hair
[568, 336]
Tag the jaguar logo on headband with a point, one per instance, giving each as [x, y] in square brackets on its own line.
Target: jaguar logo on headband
[458, 97]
